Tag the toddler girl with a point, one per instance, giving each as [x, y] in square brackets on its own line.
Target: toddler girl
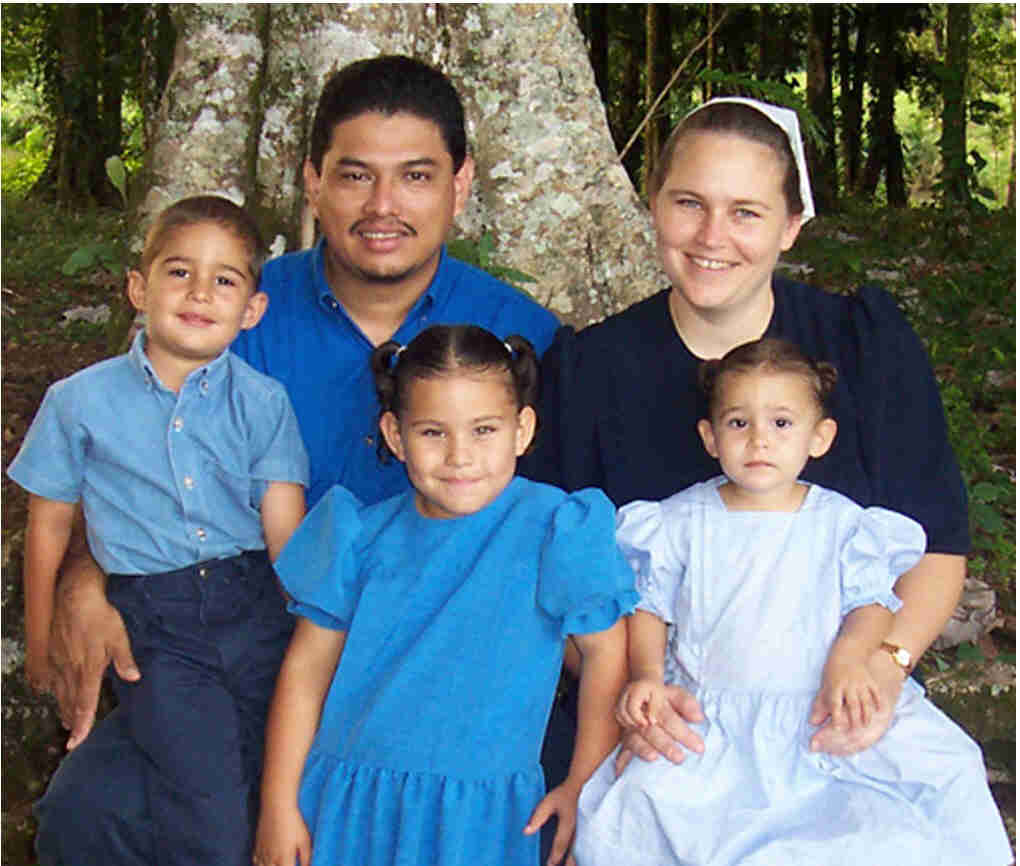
[764, 587]
[446, 608]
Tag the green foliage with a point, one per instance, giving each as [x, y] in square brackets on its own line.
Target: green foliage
[480, 254]
[967, 318]
[117, 173]
[37, 238]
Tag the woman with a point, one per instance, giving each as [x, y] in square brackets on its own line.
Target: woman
[621, 400]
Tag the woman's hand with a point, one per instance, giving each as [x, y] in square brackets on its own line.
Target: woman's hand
[846, 741]
[282, 838]
[561, 801]
[668, 736]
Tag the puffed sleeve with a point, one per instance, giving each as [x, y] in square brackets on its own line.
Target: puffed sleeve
[656, 557]
[318, 566]
[583, 579]
[883, 546]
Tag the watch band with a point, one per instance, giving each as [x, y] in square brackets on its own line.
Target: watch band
[900, 655]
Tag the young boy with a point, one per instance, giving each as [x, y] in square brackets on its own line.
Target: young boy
[188, 465]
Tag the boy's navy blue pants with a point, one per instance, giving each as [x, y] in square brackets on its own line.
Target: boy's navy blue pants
[171, 776]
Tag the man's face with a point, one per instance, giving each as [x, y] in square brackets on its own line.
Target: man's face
[386, 197]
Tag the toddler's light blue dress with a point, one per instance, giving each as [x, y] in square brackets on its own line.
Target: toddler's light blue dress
[754, 600]
[428, 747]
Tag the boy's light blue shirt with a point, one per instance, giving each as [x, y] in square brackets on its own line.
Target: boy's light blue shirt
[165, 479]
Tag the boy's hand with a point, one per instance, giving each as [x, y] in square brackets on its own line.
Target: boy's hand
[641, 703]
[282, 839]
[38, 671]
[561, 801]
[849, 695]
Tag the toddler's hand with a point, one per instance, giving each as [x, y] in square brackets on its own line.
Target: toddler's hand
[561, 801]
[282, 839]
[641, 704]
[849, 695]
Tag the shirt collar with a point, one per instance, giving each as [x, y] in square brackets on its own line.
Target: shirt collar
[205, 377]
[433, 295]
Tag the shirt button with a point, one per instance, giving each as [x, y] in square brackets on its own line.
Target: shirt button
[370, 440]
[203, 572]
[204, 386]
[178, 424]
[200, 533]
[189, 482]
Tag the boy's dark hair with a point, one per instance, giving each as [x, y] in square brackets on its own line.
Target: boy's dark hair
[203, 209]
[445, 350]
[772, 354]
[389, 84]
[737, 119]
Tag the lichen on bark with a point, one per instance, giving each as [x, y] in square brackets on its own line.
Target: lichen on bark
[236, 115]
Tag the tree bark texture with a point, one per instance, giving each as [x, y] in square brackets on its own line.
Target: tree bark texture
[658, 67]
[852, 71]
[886, 149]
[821, 156]
[237, 110]
[953, 145]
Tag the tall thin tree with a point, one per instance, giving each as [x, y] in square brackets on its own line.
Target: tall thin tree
[953, 143]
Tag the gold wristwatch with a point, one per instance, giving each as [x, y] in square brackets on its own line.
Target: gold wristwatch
[901, 656]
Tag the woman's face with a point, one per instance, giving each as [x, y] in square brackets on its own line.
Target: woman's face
[721, 220]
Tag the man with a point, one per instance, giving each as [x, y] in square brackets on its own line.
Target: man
[388, 171]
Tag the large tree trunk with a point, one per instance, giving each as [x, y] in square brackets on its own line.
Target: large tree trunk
[236, 114]
[953, 144]
[68, 173]
[821, 156]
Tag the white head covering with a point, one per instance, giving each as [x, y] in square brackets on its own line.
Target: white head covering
[785, 119]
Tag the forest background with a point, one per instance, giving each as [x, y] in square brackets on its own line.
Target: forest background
[910, 119]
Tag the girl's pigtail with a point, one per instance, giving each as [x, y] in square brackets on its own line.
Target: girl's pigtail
[385, 375]
[525, 372]
[827, 377]
[708, 374]
[524, 369]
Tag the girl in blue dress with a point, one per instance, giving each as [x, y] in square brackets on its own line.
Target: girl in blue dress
[765, 597]
[408, 716]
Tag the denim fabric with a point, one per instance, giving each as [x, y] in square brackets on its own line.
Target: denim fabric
[185, 743]
[164, 479]
[308, 342]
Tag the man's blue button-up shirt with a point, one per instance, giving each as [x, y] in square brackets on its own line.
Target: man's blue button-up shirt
[165, 479]
[307, 341]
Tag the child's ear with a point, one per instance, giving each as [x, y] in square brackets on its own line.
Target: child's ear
[526, 423]
[825, 432]
[708, 437]
[254, 310]
[136, 289]
[390, 428]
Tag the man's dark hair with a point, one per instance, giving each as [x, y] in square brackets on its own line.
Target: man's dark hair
[389, 84]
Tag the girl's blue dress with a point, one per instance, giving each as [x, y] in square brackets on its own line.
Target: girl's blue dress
[428, 747]
[754, 600]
